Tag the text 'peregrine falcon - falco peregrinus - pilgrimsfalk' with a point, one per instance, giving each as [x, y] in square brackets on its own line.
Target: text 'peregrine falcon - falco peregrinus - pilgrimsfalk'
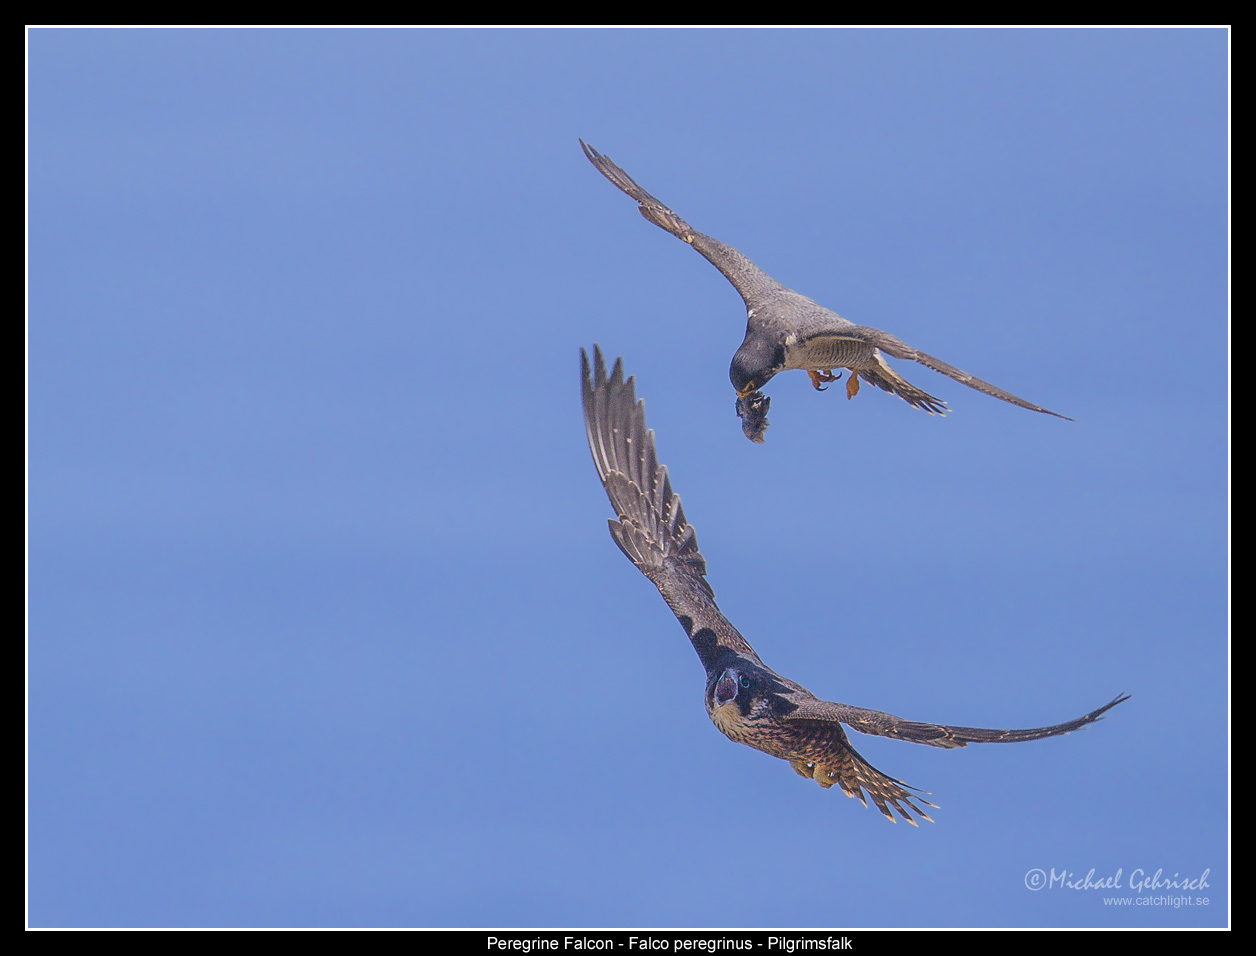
[786, 330]
[748, 701]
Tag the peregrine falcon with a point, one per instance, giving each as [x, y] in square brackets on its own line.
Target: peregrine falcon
[748, 701]
[787, 330]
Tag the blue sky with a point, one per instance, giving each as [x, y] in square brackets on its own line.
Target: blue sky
[325, 626]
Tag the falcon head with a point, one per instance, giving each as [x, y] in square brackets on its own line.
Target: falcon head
[744, 700]
[728, 685]
[754, 362]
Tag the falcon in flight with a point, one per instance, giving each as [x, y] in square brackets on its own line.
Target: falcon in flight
[748, 701]
[786, 330]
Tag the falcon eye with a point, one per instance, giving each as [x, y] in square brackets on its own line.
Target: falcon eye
[744, 681]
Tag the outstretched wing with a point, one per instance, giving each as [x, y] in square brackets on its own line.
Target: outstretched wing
[651, 208]
[935, 735]
[746, 277]
[892, 345]
[651, 528]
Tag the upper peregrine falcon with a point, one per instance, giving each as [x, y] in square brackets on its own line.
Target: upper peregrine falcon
[748, 701]
[787, 330]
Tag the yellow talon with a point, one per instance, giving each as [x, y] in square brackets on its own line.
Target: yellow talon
[820, 377]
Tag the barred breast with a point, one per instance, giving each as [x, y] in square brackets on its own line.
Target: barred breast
[828, 352]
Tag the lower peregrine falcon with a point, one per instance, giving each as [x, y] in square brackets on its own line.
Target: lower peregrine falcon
[747, 700]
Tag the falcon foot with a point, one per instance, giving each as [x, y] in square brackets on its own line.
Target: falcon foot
[852, 385]
[812, 771]
[821, 378]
